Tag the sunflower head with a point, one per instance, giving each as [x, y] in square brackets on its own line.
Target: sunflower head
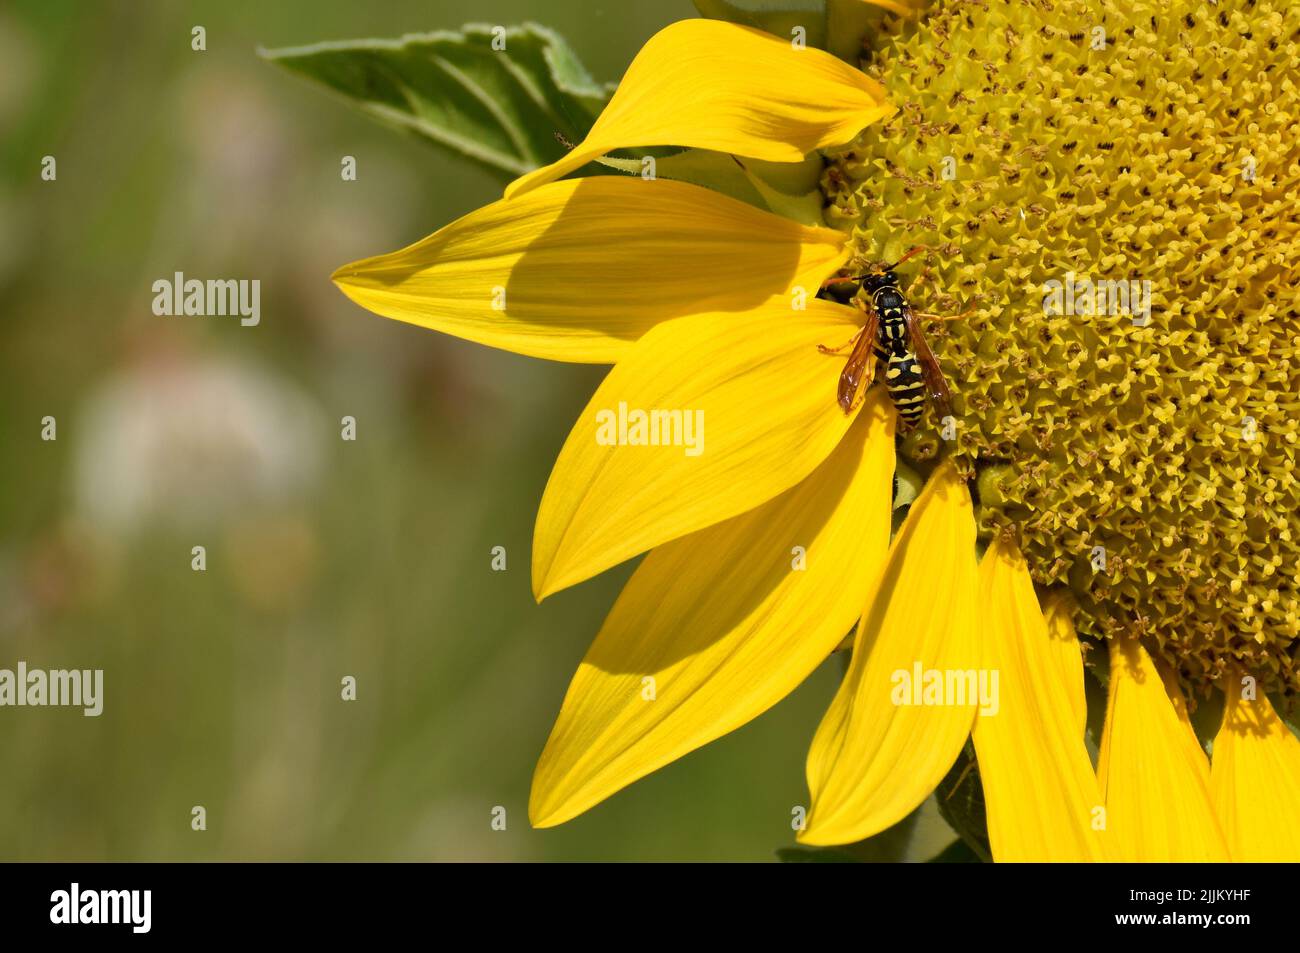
[1142, 441]
[1134, 447]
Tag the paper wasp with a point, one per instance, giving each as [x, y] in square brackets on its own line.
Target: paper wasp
[892, 334]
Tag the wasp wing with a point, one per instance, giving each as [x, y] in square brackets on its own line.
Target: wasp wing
[935, 384]
[861, 365]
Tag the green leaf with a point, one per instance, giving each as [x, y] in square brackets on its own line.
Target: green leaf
[778, 17]
[960, 796]
[505, 107]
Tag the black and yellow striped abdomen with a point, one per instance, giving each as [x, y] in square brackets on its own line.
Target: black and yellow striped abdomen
[903, 377]
[906, 387]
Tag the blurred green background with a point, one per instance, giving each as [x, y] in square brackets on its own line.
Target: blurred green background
[325, 558]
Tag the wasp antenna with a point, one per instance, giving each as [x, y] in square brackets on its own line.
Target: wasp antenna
[840, 279]
[560, 137]
[911, 252]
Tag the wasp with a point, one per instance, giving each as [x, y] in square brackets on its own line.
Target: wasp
[891, 335]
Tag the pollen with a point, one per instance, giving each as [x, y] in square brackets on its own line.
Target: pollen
[1113, 187]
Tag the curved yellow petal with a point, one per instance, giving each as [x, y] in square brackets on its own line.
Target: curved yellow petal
[1041, 797]
[1066, 654]
[755, 413]
[906, 704]
[709, 85]
[715, 628]
[1155, 786]
[579, 271]
[1195, 752]
[1255, 780]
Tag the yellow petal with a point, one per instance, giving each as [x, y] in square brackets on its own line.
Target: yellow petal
[1066, 654]
[711, 85]
[722, 625]
[1255, 780]
[886, 741]
[760, 400]
[1155, 785]
[1195, 753]
[1040, 794]
[579, 271]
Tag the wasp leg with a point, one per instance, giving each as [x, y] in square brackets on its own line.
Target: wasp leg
[970, 309]
[825, 349]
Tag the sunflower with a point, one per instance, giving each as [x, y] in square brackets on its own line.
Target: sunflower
[1133, 479]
